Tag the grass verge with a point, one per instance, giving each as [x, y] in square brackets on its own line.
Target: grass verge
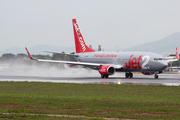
[125, 101]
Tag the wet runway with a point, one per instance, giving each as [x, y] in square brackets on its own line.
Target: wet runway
[138, 79]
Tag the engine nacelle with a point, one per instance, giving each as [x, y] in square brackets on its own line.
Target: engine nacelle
[106, 70]
[147, 73]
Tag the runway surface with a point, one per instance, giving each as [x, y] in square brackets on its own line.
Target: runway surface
[138, 79]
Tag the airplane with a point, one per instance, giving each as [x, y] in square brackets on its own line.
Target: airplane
[107, 63]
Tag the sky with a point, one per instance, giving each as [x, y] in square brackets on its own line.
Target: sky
[110, 23]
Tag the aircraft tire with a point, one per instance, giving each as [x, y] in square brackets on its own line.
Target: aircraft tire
[127, 75]
[156, 76]
[106, 76]
[131, 75]
[102, 76]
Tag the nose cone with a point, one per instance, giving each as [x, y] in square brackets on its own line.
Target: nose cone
[163, 65]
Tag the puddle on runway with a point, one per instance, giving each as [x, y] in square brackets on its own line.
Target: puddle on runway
[86, 82]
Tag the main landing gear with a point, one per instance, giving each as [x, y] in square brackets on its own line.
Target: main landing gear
[129, 75]
[104, 76]
[155, 76]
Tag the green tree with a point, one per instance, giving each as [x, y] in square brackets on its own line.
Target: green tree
[70, 58]
[41, 56]
[57, 56]
[8, 56]
[21, 55]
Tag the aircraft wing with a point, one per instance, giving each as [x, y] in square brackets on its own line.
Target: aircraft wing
[172, 59]
[169, 58]
[72, 62]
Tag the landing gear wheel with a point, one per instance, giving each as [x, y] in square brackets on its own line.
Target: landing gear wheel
[104, 76]
[131, 75]
[127, 75]
[155, 76]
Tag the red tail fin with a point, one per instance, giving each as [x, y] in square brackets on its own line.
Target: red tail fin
[79, 40]
[177, 55]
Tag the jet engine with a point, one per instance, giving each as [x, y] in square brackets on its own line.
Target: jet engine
[147, 73]
[106, 70]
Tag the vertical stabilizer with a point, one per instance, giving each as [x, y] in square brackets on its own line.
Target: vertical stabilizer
[79, 40]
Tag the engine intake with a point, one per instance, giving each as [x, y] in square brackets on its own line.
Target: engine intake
[106, 70]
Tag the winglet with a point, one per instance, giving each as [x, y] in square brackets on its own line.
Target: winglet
[29, 54]
[177, 55]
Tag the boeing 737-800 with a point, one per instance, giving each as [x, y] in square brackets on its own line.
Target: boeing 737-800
[107, 63]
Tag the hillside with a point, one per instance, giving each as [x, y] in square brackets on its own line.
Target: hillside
[164, 46]
[39, 49]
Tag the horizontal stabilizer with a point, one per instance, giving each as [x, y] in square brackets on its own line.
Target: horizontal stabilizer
[61, 53]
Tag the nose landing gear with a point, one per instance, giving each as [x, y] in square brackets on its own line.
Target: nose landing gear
[155, 76]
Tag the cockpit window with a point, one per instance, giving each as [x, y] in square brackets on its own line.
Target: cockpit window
[159, 59]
